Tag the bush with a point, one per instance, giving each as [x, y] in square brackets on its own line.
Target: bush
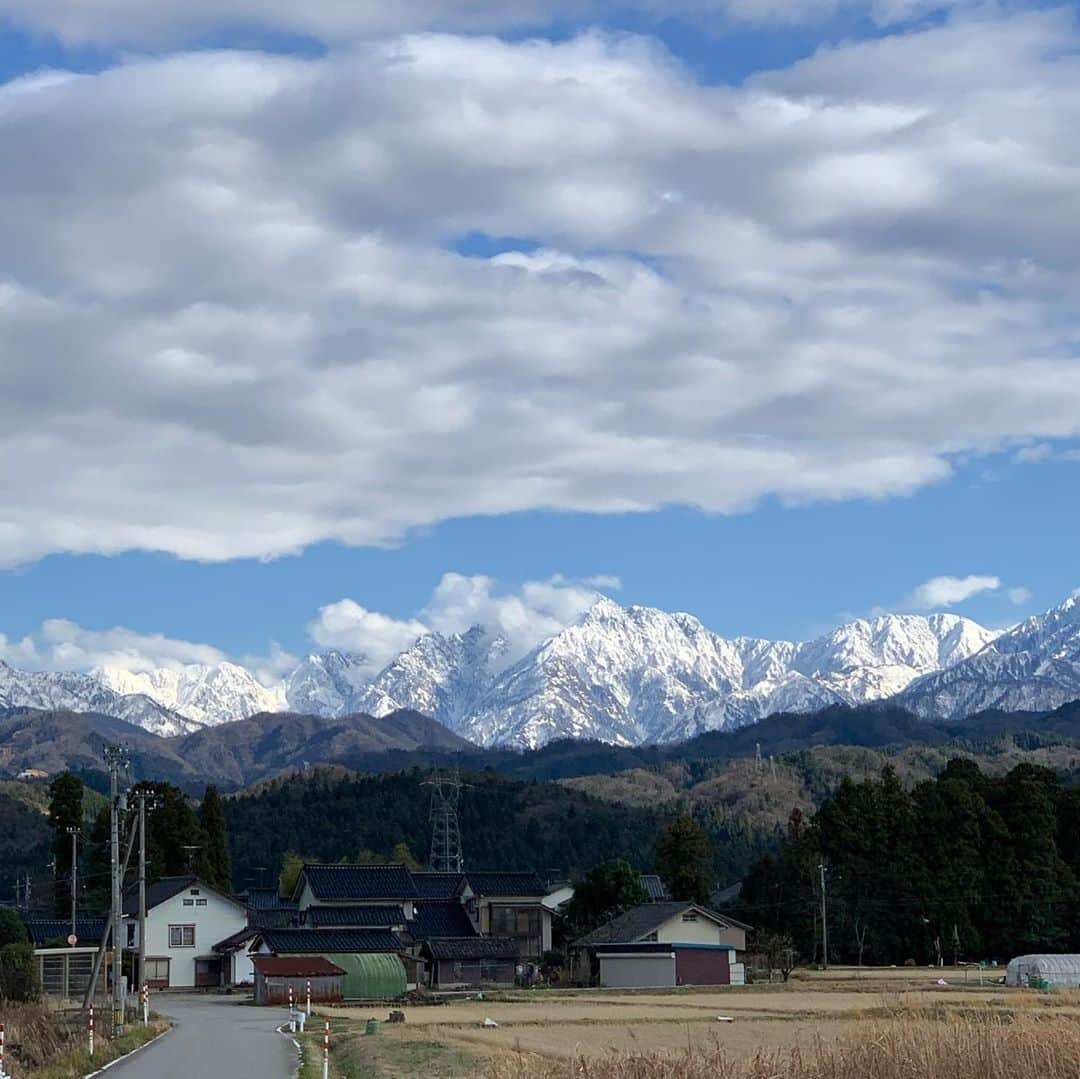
[12, 930]
[18, 972]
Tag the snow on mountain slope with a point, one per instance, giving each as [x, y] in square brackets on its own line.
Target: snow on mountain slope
[440, 676]
[619, 674]
[1033, 666]
[207, 695]
[631, 675]
[325, 685]
[72, 692]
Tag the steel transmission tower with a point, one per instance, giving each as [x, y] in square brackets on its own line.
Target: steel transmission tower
[445, 831]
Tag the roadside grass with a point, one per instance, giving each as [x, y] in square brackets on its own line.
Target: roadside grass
[356, 1055]
[45, 1042]
[991, 1046]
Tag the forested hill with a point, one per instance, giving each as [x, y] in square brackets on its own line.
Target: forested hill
[506, 824]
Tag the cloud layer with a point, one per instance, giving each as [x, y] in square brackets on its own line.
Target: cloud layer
[235, 322]
[123, 22]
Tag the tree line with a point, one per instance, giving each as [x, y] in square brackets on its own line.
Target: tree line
[963, 867]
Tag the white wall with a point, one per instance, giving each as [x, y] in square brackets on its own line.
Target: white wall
[215, 921]
[703, 931]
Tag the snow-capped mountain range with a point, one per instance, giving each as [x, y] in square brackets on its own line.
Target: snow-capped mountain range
[619, 674]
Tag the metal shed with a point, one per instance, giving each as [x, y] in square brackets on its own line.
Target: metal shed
[275, 975]
[371, 975]
[1059, 971]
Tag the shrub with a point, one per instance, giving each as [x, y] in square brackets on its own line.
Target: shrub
[18, 972]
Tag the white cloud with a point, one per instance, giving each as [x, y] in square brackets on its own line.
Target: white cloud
[132, 21]
[948, 591]
[1019, 596]
[243, 330]
[60, 644]
[348, 626]
[525, 617]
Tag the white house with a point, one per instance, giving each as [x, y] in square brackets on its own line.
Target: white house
[185, 918]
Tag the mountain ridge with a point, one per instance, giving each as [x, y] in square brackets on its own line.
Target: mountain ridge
[626, 675]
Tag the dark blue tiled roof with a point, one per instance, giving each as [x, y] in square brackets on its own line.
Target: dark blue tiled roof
[438, 885]
[440, 918]
[472, 948]
[265, 899]
[497, 883]
[42, 930]
[320, 941]
[371, 917]
[359, 882]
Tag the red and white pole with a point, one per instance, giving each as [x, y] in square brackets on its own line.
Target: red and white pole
[292, 1010]
[91, 1030]
[309, 998]
[146, 1004]
[3, 1074]
[326, 1051]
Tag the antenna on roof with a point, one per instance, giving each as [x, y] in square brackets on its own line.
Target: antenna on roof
[446, 854]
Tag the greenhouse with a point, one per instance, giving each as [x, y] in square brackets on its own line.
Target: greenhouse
[1044, 971]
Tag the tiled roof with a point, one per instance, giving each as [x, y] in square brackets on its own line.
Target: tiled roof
[295, 966]
[164, 889]
[159, 892]
[499, 884]
[273, 917]
[359, 882]
[440, 918]
[371, 917]
[643, 920]
[42, 930]
[314, 941]
[654, 886]
[238, 938]
[438, 885]
[265, 899]
[472, 948]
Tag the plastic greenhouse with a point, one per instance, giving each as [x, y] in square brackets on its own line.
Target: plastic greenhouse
[1044, 971]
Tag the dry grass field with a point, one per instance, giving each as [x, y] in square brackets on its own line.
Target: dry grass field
[817, 1017]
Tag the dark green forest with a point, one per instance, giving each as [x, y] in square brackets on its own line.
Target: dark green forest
[962, 867]
[504, 824]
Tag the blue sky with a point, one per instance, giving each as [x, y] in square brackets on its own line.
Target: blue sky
[764, 313]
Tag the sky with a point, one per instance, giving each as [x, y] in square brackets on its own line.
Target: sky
[323, 325]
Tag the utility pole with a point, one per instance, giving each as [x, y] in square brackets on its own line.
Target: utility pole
[824, 922]
[117, 759]
[74, 833]
[142, 889]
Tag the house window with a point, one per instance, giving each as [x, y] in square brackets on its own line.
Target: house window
[200, 902]
[181, 936]
[195, 891]
[131, 934]
[690, 916]
[156, 970]
[189, 902]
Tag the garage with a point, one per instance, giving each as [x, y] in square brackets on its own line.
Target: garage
[655, 965]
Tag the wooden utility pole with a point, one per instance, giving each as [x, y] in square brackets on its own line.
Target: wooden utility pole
[142, 889]
[824, 922]
[116, 758]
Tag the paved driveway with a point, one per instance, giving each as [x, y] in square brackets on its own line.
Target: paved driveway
[213, 1038]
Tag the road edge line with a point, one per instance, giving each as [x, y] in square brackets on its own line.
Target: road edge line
[128, 1056]
[296, 1045]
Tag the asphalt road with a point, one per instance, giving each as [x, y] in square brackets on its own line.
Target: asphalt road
[213, 1038]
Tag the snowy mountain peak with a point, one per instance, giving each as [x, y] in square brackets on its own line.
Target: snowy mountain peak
[619, 674]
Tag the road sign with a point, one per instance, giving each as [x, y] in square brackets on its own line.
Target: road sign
[72, 940]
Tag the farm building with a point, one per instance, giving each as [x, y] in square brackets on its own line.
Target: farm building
[276, 975]
[1044, 971]
[666, 944]
[460, 961]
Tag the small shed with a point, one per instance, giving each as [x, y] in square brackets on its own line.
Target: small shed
[461, 961]
[276, 974]
[1058, 971]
